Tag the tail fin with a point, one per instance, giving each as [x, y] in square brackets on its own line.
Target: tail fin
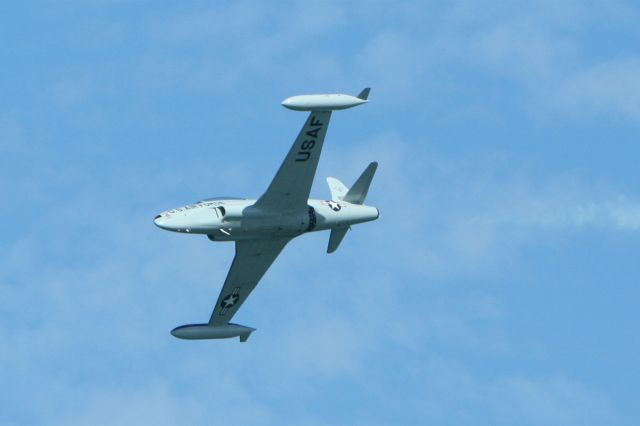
[359, 190]
[364, 95]
[355, 195]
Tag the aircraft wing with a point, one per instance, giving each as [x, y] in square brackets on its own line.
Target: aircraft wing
[253, 258]
[290, 188]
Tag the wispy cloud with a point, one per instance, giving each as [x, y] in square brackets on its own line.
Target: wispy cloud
[609, 87]
[532, 401]
[471, 215]
[553, 400]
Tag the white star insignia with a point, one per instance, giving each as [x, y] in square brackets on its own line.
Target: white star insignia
[230, 300]
[333, 205]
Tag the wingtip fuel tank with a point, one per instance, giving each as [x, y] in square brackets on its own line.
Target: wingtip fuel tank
[325, 102]
[206, 331]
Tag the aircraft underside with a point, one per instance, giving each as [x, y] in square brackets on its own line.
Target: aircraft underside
[230, 220]
[262, 228]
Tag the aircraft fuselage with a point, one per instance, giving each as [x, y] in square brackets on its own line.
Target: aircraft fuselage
[238, 219]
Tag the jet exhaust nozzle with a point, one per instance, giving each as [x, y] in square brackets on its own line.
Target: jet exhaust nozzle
[206, 331]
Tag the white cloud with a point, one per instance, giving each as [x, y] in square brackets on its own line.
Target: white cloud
[541, 400]
[610, 87]
[452, 217]
[393, 63]
[553, 400]
[408, 53]
[81, 319]
[542, 50]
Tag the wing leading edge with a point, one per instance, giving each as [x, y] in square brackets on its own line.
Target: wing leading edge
[290, 188]
[253, 258]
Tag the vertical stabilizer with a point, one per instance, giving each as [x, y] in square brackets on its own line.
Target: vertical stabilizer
[355, 195]
[359, 190]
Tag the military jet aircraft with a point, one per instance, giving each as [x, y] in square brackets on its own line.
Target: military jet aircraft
[261, 228]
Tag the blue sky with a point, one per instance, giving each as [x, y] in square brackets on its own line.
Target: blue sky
[499, 287]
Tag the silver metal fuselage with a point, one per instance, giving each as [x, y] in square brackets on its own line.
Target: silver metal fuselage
[238, 219]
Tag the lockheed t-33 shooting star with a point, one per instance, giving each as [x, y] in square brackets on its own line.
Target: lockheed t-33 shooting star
[261, 228]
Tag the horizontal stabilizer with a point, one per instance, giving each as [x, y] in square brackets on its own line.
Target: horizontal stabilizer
[359, 190]
[337, 234]
[337, 188]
